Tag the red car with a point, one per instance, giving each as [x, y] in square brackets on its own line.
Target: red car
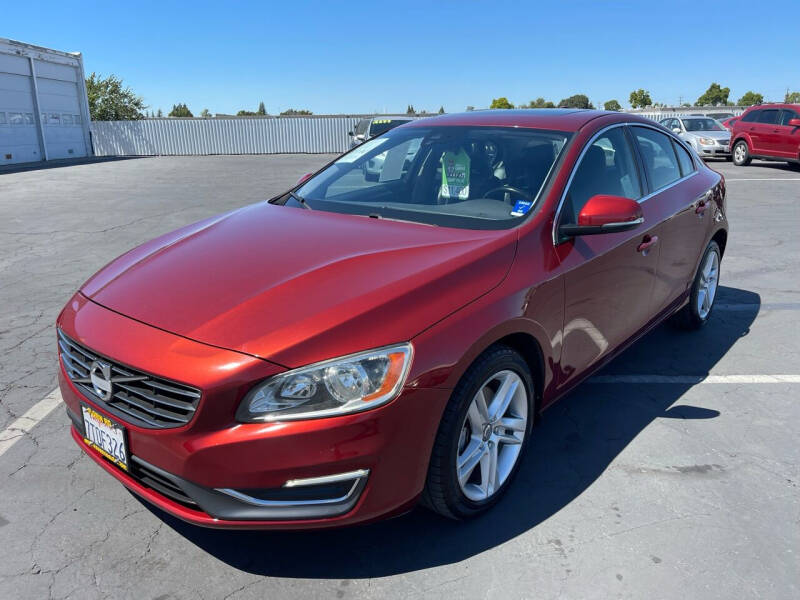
[728, 123]
[768, 132]
[357, 344]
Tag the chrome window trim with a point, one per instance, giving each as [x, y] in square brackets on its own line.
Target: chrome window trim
[644, 198]
[356, 476]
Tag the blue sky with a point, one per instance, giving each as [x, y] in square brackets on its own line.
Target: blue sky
[339, 57]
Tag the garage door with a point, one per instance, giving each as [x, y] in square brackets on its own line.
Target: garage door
[60, 109]
[18, 139]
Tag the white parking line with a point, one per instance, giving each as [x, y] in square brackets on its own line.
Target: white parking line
[764, 179]
[17, 430]
[695, 379]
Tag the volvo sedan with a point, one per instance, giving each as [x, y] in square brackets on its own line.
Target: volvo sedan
[359, 344]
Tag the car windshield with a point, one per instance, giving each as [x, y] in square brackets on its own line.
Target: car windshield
[467, 177]
[702, 125]
[380, 126]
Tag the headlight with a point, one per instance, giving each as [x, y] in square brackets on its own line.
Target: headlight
[335, 387]
[706, 141]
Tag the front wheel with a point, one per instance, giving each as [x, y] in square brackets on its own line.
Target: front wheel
[704, 290]
[741, 154]
[483, 433]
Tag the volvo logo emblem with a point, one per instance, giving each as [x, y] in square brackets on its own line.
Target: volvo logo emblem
[100, 376]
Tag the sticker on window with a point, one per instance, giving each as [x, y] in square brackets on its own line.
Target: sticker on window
[521, 208]
[455, 175]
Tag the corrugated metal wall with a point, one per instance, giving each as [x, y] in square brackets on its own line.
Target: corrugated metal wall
[276, 135]
[312, 135]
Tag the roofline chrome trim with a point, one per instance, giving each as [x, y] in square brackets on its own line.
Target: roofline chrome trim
[588, 144]
[356, 476]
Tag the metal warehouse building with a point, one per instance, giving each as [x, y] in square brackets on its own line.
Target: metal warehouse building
[44, 113]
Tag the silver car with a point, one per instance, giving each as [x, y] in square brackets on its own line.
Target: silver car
[706, 135]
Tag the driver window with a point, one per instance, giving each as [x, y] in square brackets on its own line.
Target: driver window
[607, 167]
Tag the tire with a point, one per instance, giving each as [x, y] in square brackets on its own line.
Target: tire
[697, 313]
[456, 440]
[794, 165]
[741, 154]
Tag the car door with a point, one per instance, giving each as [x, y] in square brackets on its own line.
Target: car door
[678, 200]
[788, 137]
[608, 278]
[766, 140]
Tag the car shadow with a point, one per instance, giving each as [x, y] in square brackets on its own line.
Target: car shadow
[575, 442]
[62, 162]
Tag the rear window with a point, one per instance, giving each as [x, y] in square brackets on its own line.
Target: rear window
[685, 161]
[380, 126]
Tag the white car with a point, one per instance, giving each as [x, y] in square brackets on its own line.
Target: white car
[707, 136]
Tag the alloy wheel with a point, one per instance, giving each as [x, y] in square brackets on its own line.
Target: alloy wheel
[709, 277]
[490, 441]
[740, 152]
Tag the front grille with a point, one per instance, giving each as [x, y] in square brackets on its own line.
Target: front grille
[136, 397]
[723, 142]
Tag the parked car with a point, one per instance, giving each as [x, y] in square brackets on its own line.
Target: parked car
[720, 116]
[707, 136]
[350, 347]
[728, 123]
[366, 129]
[768, 132]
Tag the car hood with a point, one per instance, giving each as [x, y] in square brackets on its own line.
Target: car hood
[714, 135]
[294, 286]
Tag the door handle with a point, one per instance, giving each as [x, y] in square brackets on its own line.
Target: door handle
[648, 242]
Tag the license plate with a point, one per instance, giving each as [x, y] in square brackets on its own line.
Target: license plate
[105, 436]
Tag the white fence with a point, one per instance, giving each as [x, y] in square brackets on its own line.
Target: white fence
[270, 135]
[277, 135]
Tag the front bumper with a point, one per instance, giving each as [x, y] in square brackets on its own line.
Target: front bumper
[190, 471]
[715, 150]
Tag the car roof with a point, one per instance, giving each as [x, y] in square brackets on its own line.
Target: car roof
[775, 105]
[560, 119]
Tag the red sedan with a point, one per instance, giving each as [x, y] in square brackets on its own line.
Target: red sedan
[389, 330]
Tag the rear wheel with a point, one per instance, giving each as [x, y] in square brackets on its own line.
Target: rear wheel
[741, 154]
[483, 433]
[704, 290]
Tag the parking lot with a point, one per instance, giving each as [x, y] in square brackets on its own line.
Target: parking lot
[672, 474]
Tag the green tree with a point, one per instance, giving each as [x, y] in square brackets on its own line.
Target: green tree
[292, 112]
[750, 98]
[441, 110]
[613, 105]
[205, 113]
[246, 113]
[109, 100]
[792, 98]
[410, 110]
[714, 96]
[576, 101]
[262, 110]
[180, 110]
[541, 103]
[160, 113]
[501, 102]
[640, 98]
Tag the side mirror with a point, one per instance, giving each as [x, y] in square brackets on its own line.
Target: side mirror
[304, 178]
[676, 129]
[605, 214]
[350, 133]
[794, 122]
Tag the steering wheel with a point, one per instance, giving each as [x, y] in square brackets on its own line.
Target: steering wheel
[511, 189]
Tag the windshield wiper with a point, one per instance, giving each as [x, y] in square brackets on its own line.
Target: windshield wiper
[301, 201]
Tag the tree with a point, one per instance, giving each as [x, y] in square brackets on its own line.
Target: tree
[541, 103]
[110, 101]
[410, 110]
[262, 110]
[792, 98]
[246, 113]
[714, 96]
[613, 105]
[160, 113]
[470, 108]
[205, 113]
[750, 98]
[640, 98]
[576, 101]
[501, 102]
[292, 112]
[180, 110]
[441, 110]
